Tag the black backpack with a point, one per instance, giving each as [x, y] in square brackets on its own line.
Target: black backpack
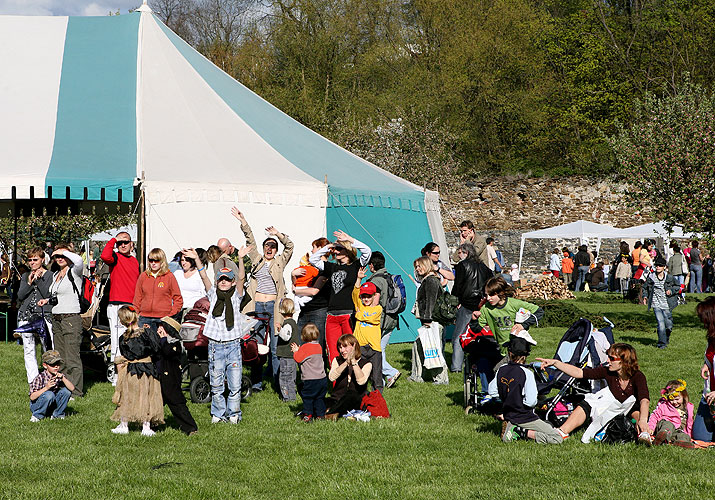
[619, 430]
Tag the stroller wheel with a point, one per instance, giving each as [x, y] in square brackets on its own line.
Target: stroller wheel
[469, 410]
[111, 373]
[467, 391]
[200, 390]
[246, 389]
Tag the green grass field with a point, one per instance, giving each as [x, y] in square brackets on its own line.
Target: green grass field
[429, 449]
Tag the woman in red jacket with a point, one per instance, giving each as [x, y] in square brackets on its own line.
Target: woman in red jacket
[157, 293]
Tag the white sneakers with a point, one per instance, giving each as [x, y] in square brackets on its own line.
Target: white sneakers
[216, 420]
[234, 419]
[34, 419]
[121, 429]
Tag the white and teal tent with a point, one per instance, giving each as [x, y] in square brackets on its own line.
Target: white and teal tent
[105, 108]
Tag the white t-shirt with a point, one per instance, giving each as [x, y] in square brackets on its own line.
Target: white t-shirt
[192, 288]
[491, 255]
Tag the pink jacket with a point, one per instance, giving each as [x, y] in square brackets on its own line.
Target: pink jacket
[666, 411]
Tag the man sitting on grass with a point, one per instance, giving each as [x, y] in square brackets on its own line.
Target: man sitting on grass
[50, 389]
[515, 385]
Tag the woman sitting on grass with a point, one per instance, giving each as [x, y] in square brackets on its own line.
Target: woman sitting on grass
[704, 427]
[349, 373]
[624, 379]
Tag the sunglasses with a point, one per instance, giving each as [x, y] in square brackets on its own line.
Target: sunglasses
[154, 260]
[123, 242]
[613, 358]
[434, 253]
[275, 247]
[34, 259]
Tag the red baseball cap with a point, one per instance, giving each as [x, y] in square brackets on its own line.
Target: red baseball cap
[368, 288]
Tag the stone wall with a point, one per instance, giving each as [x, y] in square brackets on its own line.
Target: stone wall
[504, 208]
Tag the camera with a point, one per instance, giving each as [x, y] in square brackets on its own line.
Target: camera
[53, 300]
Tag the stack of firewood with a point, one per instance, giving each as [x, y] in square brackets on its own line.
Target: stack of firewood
[545, 288]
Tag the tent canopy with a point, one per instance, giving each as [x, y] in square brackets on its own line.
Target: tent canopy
[582, 230]
[94, 107]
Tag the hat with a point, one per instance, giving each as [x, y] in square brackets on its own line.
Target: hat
[51, 357]
[515, 266]
[368, 288]
[660, 261]
[518, 346]
[171, 326]
[225, 272]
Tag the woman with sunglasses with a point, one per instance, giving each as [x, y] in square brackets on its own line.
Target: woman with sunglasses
[443, 271]
[623, 378]
[34, 286]
[157, 293]
[266, 286]
[66, 322]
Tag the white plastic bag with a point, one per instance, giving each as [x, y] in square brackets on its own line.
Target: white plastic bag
[431, 346]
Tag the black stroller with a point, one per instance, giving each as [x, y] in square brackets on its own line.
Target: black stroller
[584, 346]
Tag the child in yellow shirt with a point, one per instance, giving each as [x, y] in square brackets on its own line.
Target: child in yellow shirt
[368, 318]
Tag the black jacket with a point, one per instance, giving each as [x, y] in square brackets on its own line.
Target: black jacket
[582, 259]
[470, 276]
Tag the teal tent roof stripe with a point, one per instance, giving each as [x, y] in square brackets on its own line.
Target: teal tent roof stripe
[352, 181]
[96, 110]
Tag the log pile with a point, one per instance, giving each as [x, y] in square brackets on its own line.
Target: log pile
[545, 288]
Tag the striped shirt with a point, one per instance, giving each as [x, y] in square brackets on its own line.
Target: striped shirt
[265, 283]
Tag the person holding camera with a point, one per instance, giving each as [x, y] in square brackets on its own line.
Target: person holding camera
[66, 322]
[50, 389]
[34, 286]
[123, 275]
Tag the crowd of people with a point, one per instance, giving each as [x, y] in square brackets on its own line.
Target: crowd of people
[332, 324]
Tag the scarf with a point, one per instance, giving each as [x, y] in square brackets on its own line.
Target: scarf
[223, 300]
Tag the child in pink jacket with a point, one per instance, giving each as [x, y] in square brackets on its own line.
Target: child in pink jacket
[672, 420]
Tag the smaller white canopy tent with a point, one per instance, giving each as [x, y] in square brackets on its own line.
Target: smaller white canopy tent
[108, 235]
[656, 230]
[582, 230]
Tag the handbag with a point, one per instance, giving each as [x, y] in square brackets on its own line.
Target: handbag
[431, 346]
[445, 309]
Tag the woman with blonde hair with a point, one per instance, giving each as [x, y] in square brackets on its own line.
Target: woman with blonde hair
[157, 293]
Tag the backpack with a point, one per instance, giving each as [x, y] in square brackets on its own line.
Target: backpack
[619, 430]
[85, 296]
[501, 262]
[396, 294]
[445, 309]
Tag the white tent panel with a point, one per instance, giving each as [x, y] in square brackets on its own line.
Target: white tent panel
[301, 223]
[183, 139]
[33, 48]
[108, 235]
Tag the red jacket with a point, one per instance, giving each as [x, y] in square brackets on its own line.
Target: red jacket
[123, 273]
[157, 297]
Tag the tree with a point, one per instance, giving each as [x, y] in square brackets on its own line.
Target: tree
[668, 154]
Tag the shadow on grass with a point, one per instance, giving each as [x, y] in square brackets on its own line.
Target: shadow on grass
[457, 398]
[630, 339]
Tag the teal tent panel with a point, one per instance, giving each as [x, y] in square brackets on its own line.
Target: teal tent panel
[95, 133]
[402, 233]
[307, 150]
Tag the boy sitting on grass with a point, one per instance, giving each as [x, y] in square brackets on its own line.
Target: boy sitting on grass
[50, 389]
[515, 385]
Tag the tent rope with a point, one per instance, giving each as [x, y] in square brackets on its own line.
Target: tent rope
[412, 279]
[166, 227]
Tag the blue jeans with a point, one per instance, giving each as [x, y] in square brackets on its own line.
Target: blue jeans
[49, 400]
[313, 395]
[582, 271]
[225, 365]
[464, 316]
[679, 278]
[388, 371]
[152, 322]
[665, 325]
[318, 318]
[696, 278]
[703, 425]
[266, 309]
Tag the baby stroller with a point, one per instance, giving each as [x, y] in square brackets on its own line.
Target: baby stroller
[95, 348]
[479, 346]
[584, 346]
[196, 366]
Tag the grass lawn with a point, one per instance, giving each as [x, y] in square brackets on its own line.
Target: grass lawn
[429, 449]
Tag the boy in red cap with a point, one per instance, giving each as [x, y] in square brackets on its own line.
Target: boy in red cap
[368, 318]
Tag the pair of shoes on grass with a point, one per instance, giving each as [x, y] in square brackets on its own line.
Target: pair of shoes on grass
[645, 438]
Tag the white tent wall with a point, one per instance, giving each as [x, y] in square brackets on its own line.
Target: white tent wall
[434, 220]
[172, 225]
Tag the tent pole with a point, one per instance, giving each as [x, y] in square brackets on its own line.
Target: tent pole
[521, 252]
[141, 231]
